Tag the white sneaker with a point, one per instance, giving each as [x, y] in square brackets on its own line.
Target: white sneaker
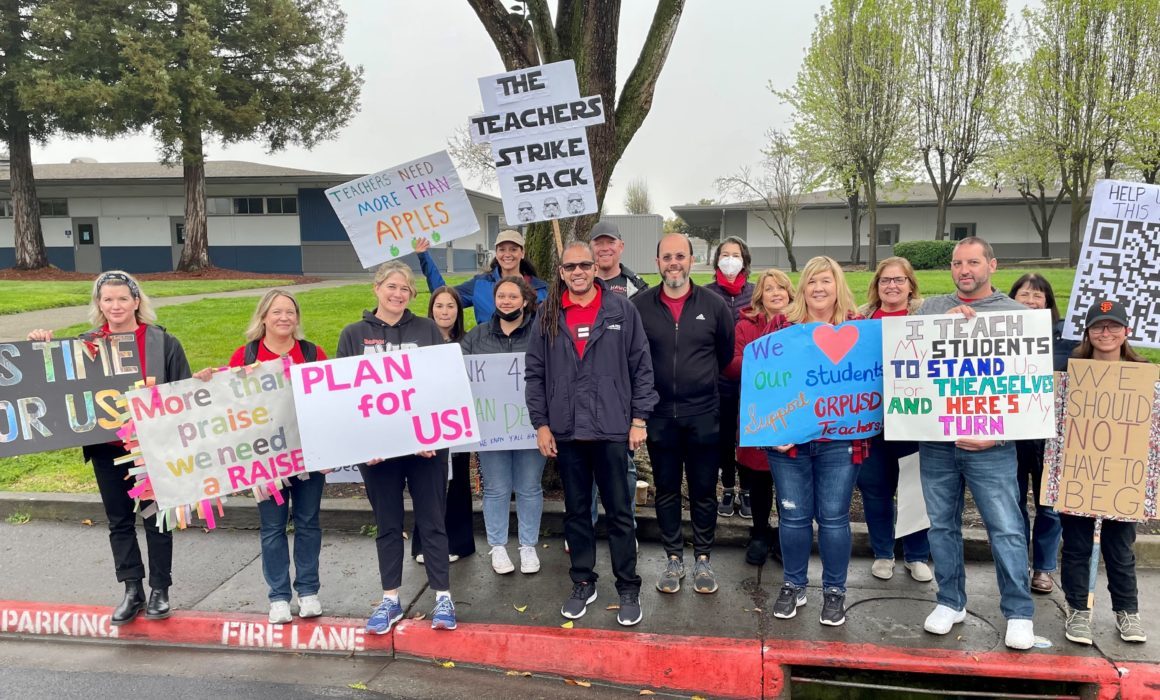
[309, 606]
[883, 569]
[452, 558]
[418, 558]
[529, 560]
[500, 561]
[1020, 634]
[280, 612]
[943, 619]
[920, 571]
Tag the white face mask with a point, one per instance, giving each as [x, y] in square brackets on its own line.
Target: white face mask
[730, 266]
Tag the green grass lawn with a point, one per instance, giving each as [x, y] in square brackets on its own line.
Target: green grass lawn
[16, 297]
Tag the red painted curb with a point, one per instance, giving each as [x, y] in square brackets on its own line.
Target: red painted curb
[234, 630]
[1139, 681]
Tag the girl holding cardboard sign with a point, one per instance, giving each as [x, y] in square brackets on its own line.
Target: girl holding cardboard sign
[119, 306]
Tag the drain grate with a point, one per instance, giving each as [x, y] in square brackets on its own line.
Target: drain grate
[824, 683]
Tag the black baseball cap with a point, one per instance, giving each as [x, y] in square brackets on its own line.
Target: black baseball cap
[1106, 310]
[605, 228]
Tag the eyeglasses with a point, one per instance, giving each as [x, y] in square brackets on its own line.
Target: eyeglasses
[1106, 329]
[887, 281]
[585, 265]
[679, 257]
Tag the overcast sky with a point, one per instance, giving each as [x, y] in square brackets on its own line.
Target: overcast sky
[422, 58]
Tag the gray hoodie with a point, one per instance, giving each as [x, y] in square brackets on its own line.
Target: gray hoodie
[996, 301]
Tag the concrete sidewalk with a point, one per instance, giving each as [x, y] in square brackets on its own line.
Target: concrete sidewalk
[57, 579]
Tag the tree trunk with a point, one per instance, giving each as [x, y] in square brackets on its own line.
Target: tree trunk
[195, 255]
[1077, 215]
[29, 238]
[792, 260]
[855, 228]
[940, 231]
[541, 249]
[872, 212]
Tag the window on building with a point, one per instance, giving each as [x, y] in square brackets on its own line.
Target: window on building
[249, 205]
[961, 231]
[888, 234]
[54, 207]
[5, 208]
[281, 205]
[219, 206]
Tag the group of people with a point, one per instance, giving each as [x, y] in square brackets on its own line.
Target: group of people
[613, 365]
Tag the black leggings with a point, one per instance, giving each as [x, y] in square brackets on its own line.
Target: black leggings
[111, 481]
[760, 498]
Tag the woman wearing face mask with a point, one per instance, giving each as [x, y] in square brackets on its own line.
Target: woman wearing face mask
[476, 292]
[772, 294]
[505, 471]
[120, 307]
[731, 263]
[1035, 292]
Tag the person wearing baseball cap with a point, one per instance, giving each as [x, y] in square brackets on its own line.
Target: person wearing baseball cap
[609, 246]
[1105, 337]
[478, 292]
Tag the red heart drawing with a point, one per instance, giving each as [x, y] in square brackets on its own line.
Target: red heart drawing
[836, 343]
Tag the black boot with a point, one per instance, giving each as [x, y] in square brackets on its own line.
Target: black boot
[758, 549]
[158, 604]
[775, 544]
[133, 603]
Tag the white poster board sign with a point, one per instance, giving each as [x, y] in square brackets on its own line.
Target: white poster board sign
[202, 440]
[912, 515]
[1119, 259]
[497, 383]
[985, 378]
[383, 405]
[384, 213]
[535, 120]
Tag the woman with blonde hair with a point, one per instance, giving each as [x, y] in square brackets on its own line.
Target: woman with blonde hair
[893, 292]
[815, 480]
[120, 307]
[772, 293]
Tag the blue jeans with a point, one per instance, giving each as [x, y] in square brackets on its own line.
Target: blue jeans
[878, 480]
[304, 498]
[990, 474]
[1047, 533]
[505, 471]
[631, 492]
[816, 483]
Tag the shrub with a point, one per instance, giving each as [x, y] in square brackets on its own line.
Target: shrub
[926, 255]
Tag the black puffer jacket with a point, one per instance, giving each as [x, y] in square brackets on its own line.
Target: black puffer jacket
[489, 338]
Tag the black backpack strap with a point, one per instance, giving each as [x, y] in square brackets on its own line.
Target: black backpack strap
[251, 352]
[309, 350]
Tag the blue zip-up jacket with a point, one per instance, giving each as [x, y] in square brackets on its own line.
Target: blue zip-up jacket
[477, 292]
[597, 396]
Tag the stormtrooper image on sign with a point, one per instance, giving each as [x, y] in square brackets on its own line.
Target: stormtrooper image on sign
[525, 212]
[551, 207]
[575, 204]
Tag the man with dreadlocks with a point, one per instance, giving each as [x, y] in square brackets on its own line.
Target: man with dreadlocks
[589, 391]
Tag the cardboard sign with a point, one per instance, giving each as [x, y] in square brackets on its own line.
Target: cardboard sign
[203, 440]
[1118, 260]
[1101, 464]
[383, 405]
[385, 212]
[812, 381]
[497, 384]
[535, 120]
[59, 394]
[985, 378]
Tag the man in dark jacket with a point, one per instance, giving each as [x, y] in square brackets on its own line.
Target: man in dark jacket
[589, 391]
[608, 246]
[690, 336]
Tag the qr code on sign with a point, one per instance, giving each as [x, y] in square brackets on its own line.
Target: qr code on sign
[1121, 261]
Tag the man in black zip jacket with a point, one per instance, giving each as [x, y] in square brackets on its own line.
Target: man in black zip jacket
[690, 336]
[589, 391]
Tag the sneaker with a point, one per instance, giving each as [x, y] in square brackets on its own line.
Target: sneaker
[419, 559]
[725, 507]
[833, 607]
[578, 601]
[452, 558]
[500, 561]
[630, 612]
[757, 551]
[744, 508]
[670, 578]
[529, 560]
[920, 571]
[567, 549]
[943, 619]
[280, 612]
[704, 580]
[788, 601]
[385, 616]
[443, 615]
[309, 606]
[1020, 634]
[883, 569]
[1131, 629]
[1078, 627]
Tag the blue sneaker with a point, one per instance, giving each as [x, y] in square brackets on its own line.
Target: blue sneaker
[443, 616]
[385, 616]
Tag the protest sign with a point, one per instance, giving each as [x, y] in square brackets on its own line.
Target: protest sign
[386, 212]
[497, 385]
[1119, 259]
[535, 120]
[911, 514]
[383, 405]
[64, 393]
[985, 378]
[1102, 464]
[811, 381]
[203, 440]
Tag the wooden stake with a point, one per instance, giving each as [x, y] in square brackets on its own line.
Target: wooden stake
[559, 238]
